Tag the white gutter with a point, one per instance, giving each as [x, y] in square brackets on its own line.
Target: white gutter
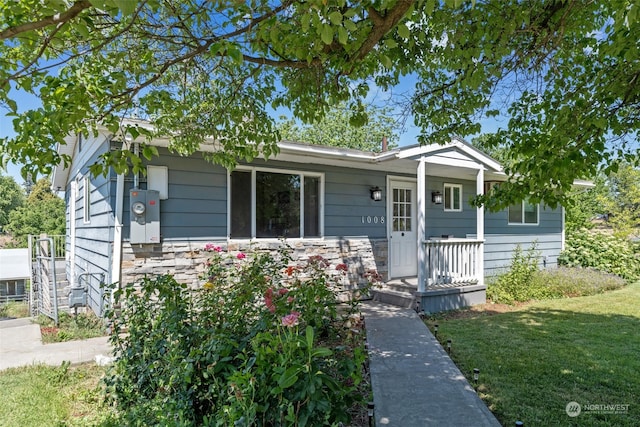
[117, 234]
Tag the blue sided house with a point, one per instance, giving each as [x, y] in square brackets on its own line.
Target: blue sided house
[404, 213]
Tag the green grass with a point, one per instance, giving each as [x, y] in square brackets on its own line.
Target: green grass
[536, 359]
[70, 328]
[52, 396]
[14, 309]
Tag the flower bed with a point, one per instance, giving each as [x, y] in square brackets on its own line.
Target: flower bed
[261, 342]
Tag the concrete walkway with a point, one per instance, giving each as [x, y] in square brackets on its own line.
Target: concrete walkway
[21, 345]
[415, 383]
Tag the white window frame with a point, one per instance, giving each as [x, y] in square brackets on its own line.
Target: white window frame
[523, 215]
[450, 187]
[302, 174]
[86, 200]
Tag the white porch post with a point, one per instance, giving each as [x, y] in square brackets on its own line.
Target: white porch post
[480, 226]
[422, 207]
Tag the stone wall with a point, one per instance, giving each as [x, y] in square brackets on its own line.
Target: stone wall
[186, 260]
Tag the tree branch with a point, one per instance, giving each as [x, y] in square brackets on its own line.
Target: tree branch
[58, 18]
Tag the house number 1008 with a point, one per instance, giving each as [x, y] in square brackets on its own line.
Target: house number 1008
[372, 219]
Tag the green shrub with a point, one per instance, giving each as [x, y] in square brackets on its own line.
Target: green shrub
[517, 284]
[261, 343]
[602, 252]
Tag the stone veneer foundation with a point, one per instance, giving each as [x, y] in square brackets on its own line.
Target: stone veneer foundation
[185, 260]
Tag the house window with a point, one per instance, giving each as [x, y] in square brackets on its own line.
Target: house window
[523, 213]
[453, 197]
[274, 204]
[86, 207]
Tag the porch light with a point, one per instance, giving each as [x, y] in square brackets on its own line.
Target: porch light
[376, 193]
[436, 197]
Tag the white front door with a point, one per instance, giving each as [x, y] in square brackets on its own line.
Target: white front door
[403, 236]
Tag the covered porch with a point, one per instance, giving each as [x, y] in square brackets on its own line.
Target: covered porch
[453, 279]
[449, 237]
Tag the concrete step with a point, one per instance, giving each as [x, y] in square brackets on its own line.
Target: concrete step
[393, 297]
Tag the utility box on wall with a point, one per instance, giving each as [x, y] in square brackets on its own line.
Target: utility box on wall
[145, 216]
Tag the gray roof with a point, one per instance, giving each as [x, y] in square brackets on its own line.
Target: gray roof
[14, 264]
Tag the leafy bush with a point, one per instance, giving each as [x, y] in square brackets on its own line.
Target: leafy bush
[517, 284]
[602, 252]
[524, 281]
[261, 343]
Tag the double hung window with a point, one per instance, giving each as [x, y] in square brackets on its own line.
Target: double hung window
[524, 213]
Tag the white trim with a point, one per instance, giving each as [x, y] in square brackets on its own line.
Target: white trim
[302, 174]
[563, 236]
[480, 227]
[444, 197]
[421, 226]
[390, 179]
[73, 189]
[523, 223]
[86, 199]
[117, 232]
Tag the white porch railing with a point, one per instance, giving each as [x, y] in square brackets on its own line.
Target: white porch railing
[453, 261]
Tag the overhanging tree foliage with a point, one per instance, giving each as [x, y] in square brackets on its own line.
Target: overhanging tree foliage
[566, 72]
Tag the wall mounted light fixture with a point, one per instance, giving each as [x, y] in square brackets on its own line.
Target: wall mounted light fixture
[376, 193]
[436, 197]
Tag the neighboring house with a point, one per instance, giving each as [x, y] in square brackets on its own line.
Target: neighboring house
[14, 274]
[404, 213]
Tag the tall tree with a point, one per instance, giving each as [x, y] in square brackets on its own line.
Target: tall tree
[11, 198]
[566, 72]
[624, 204]
[339, 128]
[42, 212]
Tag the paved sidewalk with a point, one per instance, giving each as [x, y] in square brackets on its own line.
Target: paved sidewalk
[21, 345]
[414, 381]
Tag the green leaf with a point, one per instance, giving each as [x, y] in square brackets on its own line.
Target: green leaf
[289, 377]
[309, 335]
[343, 36]
[335, 17]
[403, 31]
[327, 34]
[127, 7]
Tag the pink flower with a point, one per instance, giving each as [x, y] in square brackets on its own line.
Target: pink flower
[290, 300]
[282, 291]
[211, 247]
[341, 267]
[290, 319]
[241, 255]
[217, 248]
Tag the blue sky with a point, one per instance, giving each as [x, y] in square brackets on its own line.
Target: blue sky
[26, 101]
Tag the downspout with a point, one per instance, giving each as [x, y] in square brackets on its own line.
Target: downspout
[117, 233]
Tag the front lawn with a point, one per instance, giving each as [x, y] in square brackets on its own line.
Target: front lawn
[52, 396]
[536, 359]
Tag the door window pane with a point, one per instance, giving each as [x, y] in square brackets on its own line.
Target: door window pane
[401, 209]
